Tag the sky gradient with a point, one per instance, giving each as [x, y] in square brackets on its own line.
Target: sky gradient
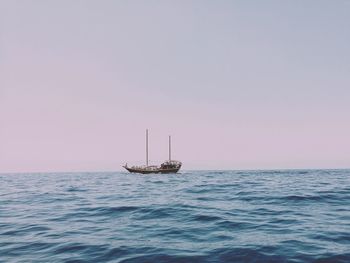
[238, 84]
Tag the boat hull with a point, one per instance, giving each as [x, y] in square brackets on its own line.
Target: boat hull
[169, 171]
[140, 171]
[157, 171]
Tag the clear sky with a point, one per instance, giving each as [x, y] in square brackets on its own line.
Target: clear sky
[238, 84]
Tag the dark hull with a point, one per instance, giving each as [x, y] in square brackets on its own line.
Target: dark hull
[157, 171]
[141, 171]
[169, 171]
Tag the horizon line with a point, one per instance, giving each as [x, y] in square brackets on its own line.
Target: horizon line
[186, 170]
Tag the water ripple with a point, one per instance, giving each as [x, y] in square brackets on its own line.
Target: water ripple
[196, 216]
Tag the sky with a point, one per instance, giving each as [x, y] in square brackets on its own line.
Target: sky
[238, 84]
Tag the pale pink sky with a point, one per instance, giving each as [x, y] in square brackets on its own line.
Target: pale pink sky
[238, 84]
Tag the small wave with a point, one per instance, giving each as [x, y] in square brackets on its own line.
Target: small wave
[165, 258]
[206, 218]
[107, 211]
[202, 189]
[21, 231]
[79, 247]
[265, 212]
[309, 198]
[259, 254]
[76, 189]
[229, 225]
[342, 258]
[24, 248]
[160, 212]
[339, 237]
[86, 214]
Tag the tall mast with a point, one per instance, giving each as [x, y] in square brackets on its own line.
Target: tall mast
[169, 148]
[146, 147]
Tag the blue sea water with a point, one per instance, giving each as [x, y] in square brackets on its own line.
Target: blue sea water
[194, 216]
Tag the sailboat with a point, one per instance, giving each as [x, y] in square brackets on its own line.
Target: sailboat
[169, 166]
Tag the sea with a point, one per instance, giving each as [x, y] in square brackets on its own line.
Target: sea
[192, 216]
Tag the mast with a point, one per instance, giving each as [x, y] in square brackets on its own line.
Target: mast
[169, 148]
[146, 147]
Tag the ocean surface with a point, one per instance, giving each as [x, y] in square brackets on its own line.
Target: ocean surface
[194, 216]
